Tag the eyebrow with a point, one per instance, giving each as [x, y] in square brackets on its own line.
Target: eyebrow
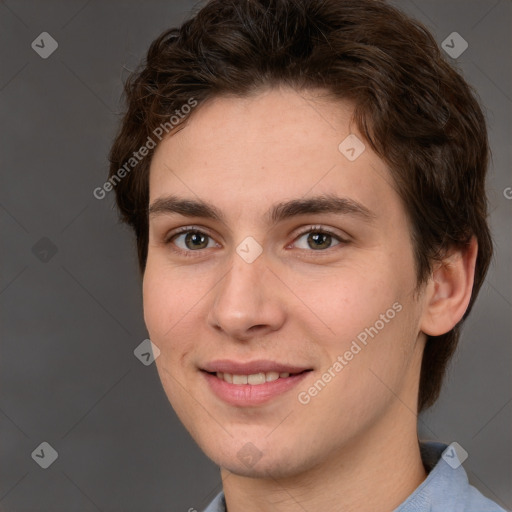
[327, 203]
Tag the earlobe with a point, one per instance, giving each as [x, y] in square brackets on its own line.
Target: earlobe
[449, 290]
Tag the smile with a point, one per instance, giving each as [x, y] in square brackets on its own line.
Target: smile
[254, 379]
[252, 389]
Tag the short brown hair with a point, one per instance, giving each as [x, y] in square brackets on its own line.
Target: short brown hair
[412, 107]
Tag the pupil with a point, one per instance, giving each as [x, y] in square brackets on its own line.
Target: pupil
[196, 238]
[320, 237]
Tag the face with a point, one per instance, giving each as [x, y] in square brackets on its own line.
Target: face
[274, 250]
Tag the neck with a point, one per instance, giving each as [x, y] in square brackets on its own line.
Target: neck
[378, 471]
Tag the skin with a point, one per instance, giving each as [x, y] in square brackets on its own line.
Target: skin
[354, 446]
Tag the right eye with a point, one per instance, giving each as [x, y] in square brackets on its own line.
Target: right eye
[190, 240]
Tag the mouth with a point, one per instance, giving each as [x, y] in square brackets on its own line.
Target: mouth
[253, 383]
[254, 379]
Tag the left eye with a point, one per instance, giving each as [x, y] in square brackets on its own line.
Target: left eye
[318, 239]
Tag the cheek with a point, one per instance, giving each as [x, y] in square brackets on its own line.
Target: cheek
[168, 319]
[154, 299]
[165, 304]
[343, 302]
[365, 313]
[172, 302]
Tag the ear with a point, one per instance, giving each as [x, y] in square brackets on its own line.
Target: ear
[448, 291]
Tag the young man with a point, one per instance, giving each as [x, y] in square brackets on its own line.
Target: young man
[306, 181]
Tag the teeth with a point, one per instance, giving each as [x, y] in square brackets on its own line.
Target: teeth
[254, 379]
[271, 376]
[239, 379]
[257, 378]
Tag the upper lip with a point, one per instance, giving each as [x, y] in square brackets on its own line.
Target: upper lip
[251, 367]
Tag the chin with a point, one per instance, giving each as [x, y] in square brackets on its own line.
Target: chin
[252, 463]
[268, 469]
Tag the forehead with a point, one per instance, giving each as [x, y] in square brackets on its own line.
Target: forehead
[279, 144]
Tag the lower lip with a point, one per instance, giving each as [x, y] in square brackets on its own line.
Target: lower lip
[248, 394]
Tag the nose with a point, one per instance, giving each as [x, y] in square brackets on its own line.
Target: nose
[246, 301]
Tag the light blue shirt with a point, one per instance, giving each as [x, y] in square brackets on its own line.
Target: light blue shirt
[446, 488]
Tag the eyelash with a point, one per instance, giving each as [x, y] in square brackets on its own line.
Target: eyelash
[191, 229]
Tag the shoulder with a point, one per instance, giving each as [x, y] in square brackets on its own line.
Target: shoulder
[446, 486]
[477, 502]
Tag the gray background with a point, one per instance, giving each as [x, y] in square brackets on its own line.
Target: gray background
[70, 324]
